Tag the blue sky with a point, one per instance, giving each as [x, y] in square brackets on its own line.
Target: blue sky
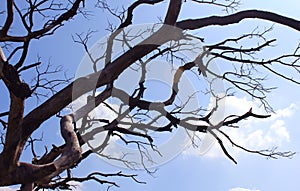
[192, 170]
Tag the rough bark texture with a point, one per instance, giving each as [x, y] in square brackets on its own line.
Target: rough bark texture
[24, 173]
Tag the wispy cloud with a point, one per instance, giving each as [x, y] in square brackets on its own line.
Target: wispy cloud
[242, 189]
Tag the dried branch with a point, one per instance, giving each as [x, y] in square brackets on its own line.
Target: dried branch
[192, 24]
[173, 12]
[231, 5]
[29, 66]
[48, 28]
[131, 8]
[46, 81]
[64, 182]
[9, 18]
[4, 114]
[269, 153]
[134, 115]
[223, 147]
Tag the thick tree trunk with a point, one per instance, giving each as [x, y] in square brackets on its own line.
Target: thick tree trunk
[24, 173]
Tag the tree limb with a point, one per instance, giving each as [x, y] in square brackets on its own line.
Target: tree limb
[192, 24]
[9, 18]
[25, 173]
[51, 26]
[173, 12]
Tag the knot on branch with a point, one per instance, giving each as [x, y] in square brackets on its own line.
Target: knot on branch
[13, 82]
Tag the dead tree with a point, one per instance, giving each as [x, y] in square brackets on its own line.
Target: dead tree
[137, 115]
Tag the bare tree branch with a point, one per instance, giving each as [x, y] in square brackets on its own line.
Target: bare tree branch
[9, 18]
[137, 115]
[47, 28]
[173, 12]
[192, 24]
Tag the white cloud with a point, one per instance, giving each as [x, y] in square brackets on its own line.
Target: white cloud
[6, 189]
[253, 133]
[286, 112]
[242, 189]
[76, 186]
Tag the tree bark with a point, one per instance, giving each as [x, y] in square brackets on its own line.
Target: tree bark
[24, 173]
